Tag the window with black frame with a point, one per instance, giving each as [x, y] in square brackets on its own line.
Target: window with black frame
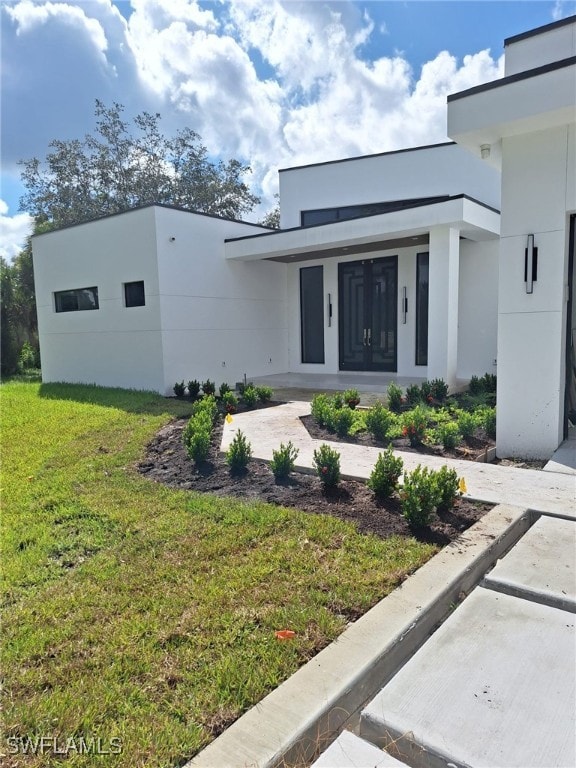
[76, 300]
[134, 295]
[422, 275]
[312, 314]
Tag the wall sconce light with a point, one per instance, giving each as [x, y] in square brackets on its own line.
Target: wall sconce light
[329, 309]
[404, 304]
[484, 151]
[530, 264]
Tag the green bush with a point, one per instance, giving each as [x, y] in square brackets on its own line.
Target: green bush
[467, 424]
[239, 453]
[414, 425]
[250, 396]
[207, 405]
[193, 389]
[439, 390]
[28, 358]
[283, 460]
[489, 382]
[208, 387]
[224, 388]
[337, 400]
[419, 496]
[425, 392]
[264, 394]
[413, 394]
[489, 422]
[198, 445]
[320, 409]
[449, 434]
[447, 487]
[384, 477]
[378, 421]
[351, 398]
[230, 402]
[342, 420]
[179, 389]
[394, 397]
[327, 464]
[476, 386]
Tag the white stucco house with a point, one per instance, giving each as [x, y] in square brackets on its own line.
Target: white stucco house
[434, 262]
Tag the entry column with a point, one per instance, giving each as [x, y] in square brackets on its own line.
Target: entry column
[443, 303]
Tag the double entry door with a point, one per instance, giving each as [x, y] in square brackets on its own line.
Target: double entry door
[368, 314]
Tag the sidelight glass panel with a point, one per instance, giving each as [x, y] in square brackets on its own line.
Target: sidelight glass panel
[312, 314]
[422, 270]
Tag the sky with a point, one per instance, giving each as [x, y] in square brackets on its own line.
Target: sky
[273, 84]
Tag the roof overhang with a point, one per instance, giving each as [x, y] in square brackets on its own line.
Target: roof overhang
[398, 229]
[529, 101]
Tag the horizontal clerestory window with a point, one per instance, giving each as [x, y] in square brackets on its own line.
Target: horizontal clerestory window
[76, 300]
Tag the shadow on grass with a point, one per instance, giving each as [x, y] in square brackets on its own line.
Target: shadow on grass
[129, 400]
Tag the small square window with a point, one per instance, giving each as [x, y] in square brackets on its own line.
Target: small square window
[134, 294]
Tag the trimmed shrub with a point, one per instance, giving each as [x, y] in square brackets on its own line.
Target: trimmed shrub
[447, 487]
[439, 390]
[449, 434]
[414, 425]
[467, 424]
[489, 382]
[394, 397]
[230, 402]
[224, 387]
[384, 477]
[419, 496]
[476, 386]
[351, 398]
[378, 421]
[198, 445]
[320, 409]
[327, 464]
[342, 420]
[250, 396]
[489, 422]
[193, 389]
[413, 395]
[264, 394]
[207, 405]
[208, 387]
[239, 453]
[179, 389]
[283, 460]
[337, 400]
[426, 392]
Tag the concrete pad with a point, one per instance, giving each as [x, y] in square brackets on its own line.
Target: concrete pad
[494, 686]
[564, 457]
[541, 566]
[350, 751]
[304, 713]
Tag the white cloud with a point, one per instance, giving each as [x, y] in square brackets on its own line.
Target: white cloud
[13, 232]
[563, 8]
[315, 98]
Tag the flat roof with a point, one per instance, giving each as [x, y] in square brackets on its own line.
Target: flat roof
[540, 30]
[364, 157]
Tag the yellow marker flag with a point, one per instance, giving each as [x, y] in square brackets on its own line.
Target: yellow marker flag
[462, 486]
[229, 418]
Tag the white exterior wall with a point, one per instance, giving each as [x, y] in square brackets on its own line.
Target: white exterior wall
[477, 308]
[115, 345]
[426, 172]
[220, 319]
[540, 49]
[538, 194]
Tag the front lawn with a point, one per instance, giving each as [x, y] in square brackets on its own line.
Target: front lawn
[138, 619]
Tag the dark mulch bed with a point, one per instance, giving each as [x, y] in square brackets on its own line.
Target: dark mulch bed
[166, 462]
[469, 450]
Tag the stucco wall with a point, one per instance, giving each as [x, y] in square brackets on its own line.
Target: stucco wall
[538, 193]
[426, 172]
[115, 345]
[543, 48]
[220, 319]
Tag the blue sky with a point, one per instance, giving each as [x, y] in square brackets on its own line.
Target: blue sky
[272, 83]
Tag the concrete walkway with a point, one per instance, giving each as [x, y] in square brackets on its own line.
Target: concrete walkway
[550, 492]
[415, 682]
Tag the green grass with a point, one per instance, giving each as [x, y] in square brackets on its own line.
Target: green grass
[135, 612]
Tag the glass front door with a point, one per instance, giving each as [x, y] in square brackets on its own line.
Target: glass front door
[368, 303]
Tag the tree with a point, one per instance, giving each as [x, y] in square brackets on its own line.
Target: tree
[19, 321]
[9, 345]
[116, 169]
[272, 218]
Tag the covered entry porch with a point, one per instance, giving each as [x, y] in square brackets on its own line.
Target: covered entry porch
[386, 294]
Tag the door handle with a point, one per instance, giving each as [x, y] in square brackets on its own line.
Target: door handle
[369, 337]
[365, 339]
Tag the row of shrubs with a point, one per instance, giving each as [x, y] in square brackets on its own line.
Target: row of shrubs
[195, 389]
[420, 424]
[423, 492]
